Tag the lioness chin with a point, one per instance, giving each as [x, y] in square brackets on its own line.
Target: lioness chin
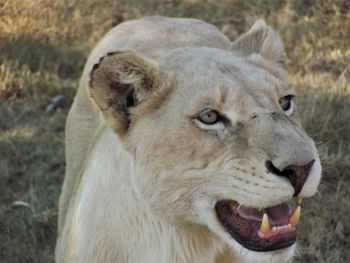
[182, 146]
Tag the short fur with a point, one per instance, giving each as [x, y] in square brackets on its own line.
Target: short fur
[143, 174]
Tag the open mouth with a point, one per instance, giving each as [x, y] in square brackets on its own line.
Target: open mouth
[265, 229]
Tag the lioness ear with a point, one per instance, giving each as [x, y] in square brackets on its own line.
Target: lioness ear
[260, 39]
[120, 81]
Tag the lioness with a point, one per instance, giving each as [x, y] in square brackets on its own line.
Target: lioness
[182, 146]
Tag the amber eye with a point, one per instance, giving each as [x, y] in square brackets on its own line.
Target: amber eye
[208, 117]
[286, 104]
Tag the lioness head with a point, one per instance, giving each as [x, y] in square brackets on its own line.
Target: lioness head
[215, 138]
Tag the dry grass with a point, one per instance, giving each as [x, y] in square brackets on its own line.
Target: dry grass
[43, 46]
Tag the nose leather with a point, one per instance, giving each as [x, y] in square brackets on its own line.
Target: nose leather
[297, 175]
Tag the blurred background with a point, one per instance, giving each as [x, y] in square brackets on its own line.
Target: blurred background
[43, 48]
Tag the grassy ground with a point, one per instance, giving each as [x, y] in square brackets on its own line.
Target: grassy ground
[43, 47]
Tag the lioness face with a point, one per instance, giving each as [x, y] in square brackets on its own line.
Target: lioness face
[225, 148]
[220, 145]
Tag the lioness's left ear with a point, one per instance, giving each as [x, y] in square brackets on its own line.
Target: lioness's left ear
[260, 39]
[120, 81]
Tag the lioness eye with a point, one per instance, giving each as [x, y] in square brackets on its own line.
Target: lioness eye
[286, 104]
[208, 117]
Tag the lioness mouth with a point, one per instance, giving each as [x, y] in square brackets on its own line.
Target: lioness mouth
[265, 229]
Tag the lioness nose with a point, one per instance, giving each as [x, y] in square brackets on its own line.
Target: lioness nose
[296, 174]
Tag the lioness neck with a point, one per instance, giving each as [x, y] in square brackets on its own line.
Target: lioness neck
[111, 219]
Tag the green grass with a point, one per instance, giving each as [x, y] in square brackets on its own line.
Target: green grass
[43, 47]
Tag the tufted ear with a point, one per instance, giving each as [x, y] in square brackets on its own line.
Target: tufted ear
[119, 82]
[260, 39]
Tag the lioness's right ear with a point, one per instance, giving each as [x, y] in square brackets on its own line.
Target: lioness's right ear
[120, 81]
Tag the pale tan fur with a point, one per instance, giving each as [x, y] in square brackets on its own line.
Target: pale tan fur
[143, 174]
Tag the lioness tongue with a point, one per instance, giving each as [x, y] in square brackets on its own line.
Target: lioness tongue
[278, 215]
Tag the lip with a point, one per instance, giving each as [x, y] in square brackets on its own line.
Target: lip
[245, 225]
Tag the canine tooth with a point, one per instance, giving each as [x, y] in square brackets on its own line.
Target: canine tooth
[300, 200]
[265, 224]
[294, 219]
